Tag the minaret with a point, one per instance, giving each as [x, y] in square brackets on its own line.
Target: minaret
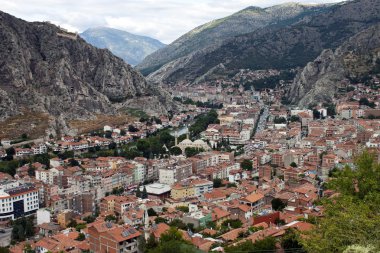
[146, 224]
[187, 133]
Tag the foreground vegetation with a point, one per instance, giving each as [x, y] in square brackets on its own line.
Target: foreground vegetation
[352, 218]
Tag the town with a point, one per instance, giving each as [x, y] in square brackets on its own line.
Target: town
[238, 164]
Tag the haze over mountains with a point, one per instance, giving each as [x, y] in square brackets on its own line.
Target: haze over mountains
[130, 47]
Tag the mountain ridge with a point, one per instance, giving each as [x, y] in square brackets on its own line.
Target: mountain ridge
[45, 69]
[130, 47]
[280, 47]
[213, 33]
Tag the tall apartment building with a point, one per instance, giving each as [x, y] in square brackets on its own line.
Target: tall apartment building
[175, 172]
[17, 200]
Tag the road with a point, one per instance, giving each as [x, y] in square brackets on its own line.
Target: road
[5, 238]
[263, 120]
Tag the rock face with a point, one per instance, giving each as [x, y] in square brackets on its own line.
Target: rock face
[130, 47]
[211, 35]
[317, 82]
[45, 69]
[285, 45]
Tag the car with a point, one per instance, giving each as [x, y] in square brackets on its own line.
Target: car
[2, 231]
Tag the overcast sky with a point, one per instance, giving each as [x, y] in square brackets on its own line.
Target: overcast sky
[165, 20]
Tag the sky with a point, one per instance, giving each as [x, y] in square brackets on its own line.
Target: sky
[165, 20]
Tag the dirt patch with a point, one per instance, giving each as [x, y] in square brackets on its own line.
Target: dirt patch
[86, 126]
[34, 124]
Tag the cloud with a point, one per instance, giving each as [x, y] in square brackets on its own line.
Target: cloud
[165, 20]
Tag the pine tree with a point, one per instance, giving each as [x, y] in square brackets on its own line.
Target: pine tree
[138, 192]
[144, 194]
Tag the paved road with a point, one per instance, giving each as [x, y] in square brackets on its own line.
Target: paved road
[263, 120]
[40, 140]
[5, 238]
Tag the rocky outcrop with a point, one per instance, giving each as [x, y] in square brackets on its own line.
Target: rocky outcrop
[319, 80]
[44, 68]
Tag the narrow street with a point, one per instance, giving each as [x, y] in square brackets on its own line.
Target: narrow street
[262, 120]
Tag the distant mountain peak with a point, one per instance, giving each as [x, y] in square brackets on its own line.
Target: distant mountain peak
[130, 47]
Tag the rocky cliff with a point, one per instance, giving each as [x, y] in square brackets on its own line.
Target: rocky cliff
[45, 69]
[317, 82]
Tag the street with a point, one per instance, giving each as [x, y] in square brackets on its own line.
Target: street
[262, 120]
[5, 238]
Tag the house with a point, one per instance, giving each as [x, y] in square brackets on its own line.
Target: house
[106, 237]
[255, 201]
[219, 215]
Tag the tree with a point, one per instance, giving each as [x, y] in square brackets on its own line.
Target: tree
[277, 204]
[24, 136]
[364, 101]
[138, 192]
[143, 145]
[293, 164]
[132, 129]
[267, 244]
[171, 235]
[112, 145]
[4, 250]
[166, 138]
[28, 249]
[316, 114]
[189, 151]
[22, 228]
[246, 164]
[151, 212]
[279, 120]
[184, 209]
[89, 219]
[144, 194]
[291, 241]
[81, 237]
[217, 182]
[160, 220]
[294, 118]
[10, 151]
[151, 243]
[72, 224]
[31, 171]
[123, 132]
[175, 247]
[353, 216]
[117, 190]
[110, 217]
[175, 151]
[232, 223]
[177, 223]
[73, 162]
[108, 134]
[79, 227]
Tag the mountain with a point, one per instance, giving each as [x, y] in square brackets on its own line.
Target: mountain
[276, 46]
[213, 34]
[356, 57]
[130, 47]
[47, 70]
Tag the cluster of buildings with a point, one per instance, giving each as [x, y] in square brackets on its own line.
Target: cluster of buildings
[257, 156]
